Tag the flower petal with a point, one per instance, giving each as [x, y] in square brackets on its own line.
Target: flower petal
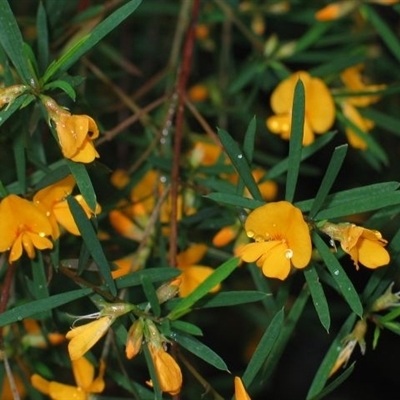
[372, 254]
[192, 277]
[83, 371]
[276, 263]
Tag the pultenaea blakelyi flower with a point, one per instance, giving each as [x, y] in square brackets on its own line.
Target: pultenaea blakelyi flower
[84, 337]
[22, 227]
[282, 239]
[319, 107]
[364, 246]
[86, 383]
[240, 390]
[75, 132]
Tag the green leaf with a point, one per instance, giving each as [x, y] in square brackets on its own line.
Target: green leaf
[335, 383]
[199, 349]
[233, 298]
[37, 306]
[151, 295]
[74, 53]
[318, 296]
[234, 200]
[89, 236]
[240, 163]
[66, 87]
[161, 274]
[339, 275]
[220, 273]
[330, 358]
[13, 44]
[385, 121]
[296, 139]
[329, 178]
[186, 327]
[20, 160]
[387, 35]
[83, 182]
[264, 347]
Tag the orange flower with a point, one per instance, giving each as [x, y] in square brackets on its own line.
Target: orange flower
[84, 337]
[168, 372]
[335, 10]
[22, 227]
[86, 383]
[319, 107]
[282, 239]
[75, 133]
[352, 79]
[192, 275]
[240, 390]
[134, 339]
[198, 93]
[6, 392]
[364, 246]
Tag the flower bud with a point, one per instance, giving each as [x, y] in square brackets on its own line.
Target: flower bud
[135, 339]
[10, 93]
[387, 300]
[168, 290]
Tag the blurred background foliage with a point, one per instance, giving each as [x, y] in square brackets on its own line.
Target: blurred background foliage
[129, 84]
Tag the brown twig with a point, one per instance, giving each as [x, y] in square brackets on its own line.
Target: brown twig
[181, 92]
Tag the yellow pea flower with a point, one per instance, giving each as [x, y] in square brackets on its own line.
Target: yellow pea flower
[193, 274]
[22, 227]
[282, 239]
[319, 107]
[75, 132]
[364, 246]
[168, 371]
[86, 383]
[336, 10]
[240, 390]
[83, 338]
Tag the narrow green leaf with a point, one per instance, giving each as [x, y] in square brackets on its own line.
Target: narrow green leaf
[83, 182]
[13, 44]
[200, 350]
[248, 149]
[220, 273]
[330, 358]
[66, 87]
[372, 201]
[234, 200]
[233, 298]
[186, 327]
[264, 347]
[161, 274]
[296, 139]
[89, 236]
[52, 176]
[42, 38]
[318, 296]
[345, 197]
[240, 163]
[153, 373]
[34, 307]
[329, 178]
[387, 35]
[335, 383]
[88, 42]
[313, 35]
[151, 295]
[338, 274]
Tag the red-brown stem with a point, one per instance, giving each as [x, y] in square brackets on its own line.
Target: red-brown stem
[181, 92]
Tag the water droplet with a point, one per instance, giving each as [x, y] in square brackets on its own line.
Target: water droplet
[250, 234]
[289, 253]
[336, 272]
[163, 179]
[42, 234]
[240, 156]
